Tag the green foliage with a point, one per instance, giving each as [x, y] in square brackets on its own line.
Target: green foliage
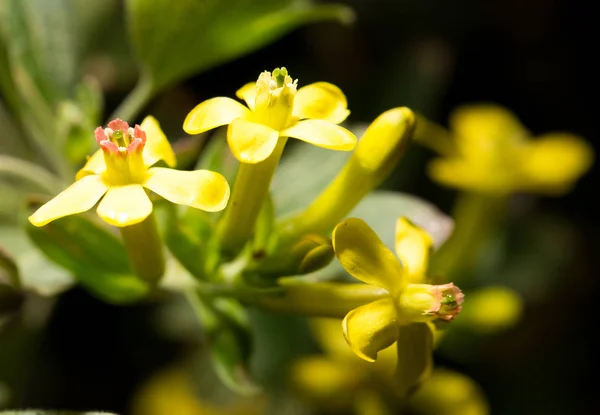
[174, 40]
[96, 257]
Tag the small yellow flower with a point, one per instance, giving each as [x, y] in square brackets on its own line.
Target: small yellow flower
[494, 153]
[411, 303]
[121, 170]
[276, 109]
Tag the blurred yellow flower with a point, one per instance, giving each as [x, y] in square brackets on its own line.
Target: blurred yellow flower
[275, 109]
[410, 304]
[494, 153]
[121, 170]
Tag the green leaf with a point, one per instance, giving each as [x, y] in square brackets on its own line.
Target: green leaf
[96, 257]
[10, 295]
[226, 326]
[303, 173]
[36, 272]
[175, 40]
[415, 357]
[41, 41]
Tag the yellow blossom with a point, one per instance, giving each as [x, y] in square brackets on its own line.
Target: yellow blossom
[410, 303]
[121, 169]
[494, 153]
[275, 110]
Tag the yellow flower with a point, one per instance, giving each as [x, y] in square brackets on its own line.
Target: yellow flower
[276, 109]
[494, 153]
[121, 170]
[411, 303]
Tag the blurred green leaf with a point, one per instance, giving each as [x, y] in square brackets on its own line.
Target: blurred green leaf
[9, 273]
[217, 157]
[96, 257]
[41, 40]
[227, 330]
[303, 173]
[30, 173]
[36, 271]
[10, 295]
[174, 40]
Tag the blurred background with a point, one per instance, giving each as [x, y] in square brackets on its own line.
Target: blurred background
[534, 57]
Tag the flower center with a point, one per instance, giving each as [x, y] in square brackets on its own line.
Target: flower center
[122, 147]
[274, 102]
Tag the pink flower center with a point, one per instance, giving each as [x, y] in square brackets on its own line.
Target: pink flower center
[120, 139]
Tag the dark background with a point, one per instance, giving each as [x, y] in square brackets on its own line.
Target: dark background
[534, 57]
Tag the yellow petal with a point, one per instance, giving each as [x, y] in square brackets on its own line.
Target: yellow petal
[251, 142]
[79, 197]
[486, 131]
[415, 361]
[461, 174]
[94, 165]
[413, 246]
[323, 101]
[553, 162]
[200, 189]
[212, 114]
[125, 205]
[371, 328]
[248, 94]
[322, 134]
[157, 146]
[362, 254]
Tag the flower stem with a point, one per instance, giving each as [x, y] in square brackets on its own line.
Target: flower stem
[144, 248]
[136, 100]
[476, 216]
[249, 192]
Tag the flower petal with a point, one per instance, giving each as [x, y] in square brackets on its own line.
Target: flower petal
[415, 348]
[413, 246]
[251, 142]
[79, 197]
[94, 165]
[323, 101]
[553, 162]
[212, 114]
[371, 328]
[485, 131]
[125, 205]
[200, 189]
[461, 174]
[362, 254]
[248, 94]
[322, 134]
[157, 145]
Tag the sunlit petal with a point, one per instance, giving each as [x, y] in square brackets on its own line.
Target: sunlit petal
[251, 142]
[486, 130]
[461, 174]
[371, 328]
[125, 205]
[323, 101]
[79, 197]
[415, 361]
[323, 134]
[213, 113]
[553, 162]
[362, 254]
[248, 94]
[157, 145]
[94, 165]
[200, 189]
[413, 246]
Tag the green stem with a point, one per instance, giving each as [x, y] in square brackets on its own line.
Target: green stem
[144, 247]
[250, 189]
[476, 217]
[137, 99]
